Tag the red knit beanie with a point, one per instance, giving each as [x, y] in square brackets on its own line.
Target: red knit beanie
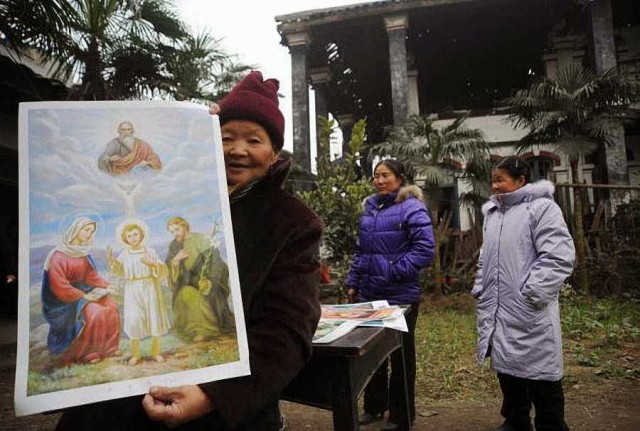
[255, 99]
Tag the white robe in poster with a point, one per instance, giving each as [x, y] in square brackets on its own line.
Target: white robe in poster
[145, 311]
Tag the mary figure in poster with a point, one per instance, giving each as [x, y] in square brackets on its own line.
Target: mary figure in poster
[84, 328]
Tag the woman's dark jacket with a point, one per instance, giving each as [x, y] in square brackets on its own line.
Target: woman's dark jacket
[277, 240]
[395, 242]
[277, 243]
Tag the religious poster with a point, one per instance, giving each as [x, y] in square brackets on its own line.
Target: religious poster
[127, 269]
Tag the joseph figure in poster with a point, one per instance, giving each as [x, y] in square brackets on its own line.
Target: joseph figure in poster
[199, 280]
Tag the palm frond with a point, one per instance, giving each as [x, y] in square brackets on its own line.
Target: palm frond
[575, 147]
[164, 20]
[577, 110]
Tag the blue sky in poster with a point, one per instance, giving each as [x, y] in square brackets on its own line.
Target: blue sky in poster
[64, 180]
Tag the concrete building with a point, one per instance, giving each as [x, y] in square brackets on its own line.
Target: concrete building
[386, 60]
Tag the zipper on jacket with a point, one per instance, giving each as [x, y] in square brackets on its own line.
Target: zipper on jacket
[375, 229]
[501, 212]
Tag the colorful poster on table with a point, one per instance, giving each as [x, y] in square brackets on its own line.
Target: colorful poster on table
[127, 268]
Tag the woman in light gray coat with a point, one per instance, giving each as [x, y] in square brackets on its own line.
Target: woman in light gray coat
[527, 253]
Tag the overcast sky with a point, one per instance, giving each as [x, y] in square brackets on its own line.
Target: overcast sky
[248, 29]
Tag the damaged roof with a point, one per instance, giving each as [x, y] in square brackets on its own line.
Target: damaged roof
[320, 16]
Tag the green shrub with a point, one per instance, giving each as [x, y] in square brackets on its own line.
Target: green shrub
[338, 196]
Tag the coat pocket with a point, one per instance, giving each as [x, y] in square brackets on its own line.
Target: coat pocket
[525, 316]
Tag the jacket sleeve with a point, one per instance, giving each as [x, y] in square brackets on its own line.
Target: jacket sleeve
[478, 287]
[353, 276]
[421, 242]
[280, 340]
[555, 255]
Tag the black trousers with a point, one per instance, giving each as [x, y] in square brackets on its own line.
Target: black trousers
[547, 398]
[382, 393]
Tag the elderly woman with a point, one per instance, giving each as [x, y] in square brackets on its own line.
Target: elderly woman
[81, 328]
[277, 240]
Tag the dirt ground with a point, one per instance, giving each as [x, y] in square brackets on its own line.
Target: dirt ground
[613, 406]
[610, 406]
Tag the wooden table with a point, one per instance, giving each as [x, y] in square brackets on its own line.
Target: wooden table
[339, 371]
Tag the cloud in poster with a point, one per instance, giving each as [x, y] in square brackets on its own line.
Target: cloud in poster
[65, 180]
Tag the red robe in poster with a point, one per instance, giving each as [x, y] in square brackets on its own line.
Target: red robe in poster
[99, 337]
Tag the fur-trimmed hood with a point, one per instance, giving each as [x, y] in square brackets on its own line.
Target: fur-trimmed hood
[542, 189]
[410, 191]
[405, 192]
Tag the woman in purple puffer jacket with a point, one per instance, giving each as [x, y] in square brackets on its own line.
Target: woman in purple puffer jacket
[395, 243]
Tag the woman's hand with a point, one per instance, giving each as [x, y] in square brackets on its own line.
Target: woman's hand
[214, 108]
[352, 295]
[175, 406]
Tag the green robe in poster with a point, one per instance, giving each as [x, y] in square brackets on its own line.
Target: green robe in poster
[200, 286]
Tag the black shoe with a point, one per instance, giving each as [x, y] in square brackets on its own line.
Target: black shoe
[369, 418]
[505, 427]
[389, 426]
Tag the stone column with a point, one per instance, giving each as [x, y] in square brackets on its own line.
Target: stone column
[604, 58]
[298, 44]
[346, 125]
[413, 105]
[397, 32]
[320, 77]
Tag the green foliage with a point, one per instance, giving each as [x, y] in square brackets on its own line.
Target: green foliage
[577, 110]
[445, 351]
[436, 155]
[43, 377]
[339, 195]
[120, 49]
[201, 70]
[603, 322]
[598, 333]
[600, 342]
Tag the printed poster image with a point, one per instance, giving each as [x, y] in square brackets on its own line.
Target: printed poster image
[127, 272]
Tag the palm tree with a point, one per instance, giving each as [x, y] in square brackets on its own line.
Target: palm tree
[202, 70]
[25, 24]
[115, 49]
[434, 155]
[580, 112]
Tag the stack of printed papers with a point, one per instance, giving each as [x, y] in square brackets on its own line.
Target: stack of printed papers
[338, 320]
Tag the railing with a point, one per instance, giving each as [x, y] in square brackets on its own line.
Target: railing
[612, 233]
[612, 237]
